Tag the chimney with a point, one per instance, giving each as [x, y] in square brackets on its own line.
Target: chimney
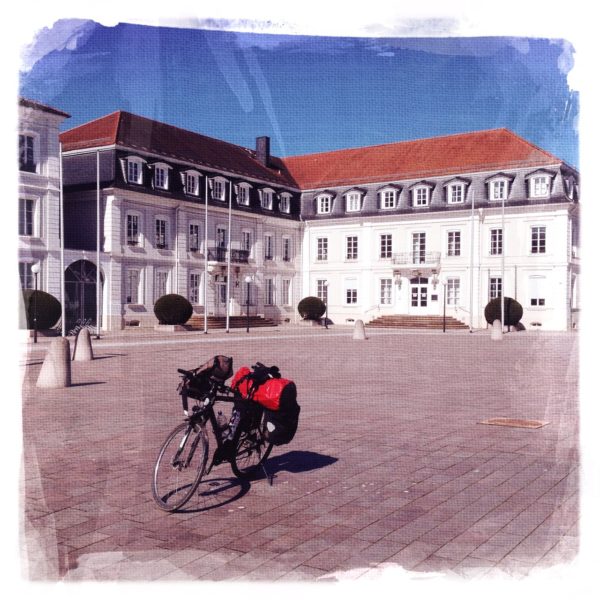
[263, 150]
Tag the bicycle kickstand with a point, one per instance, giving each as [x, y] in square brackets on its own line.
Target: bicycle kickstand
[269, 477]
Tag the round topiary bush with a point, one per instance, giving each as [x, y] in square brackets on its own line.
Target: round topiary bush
[46, 306]
[311, 308]
[513, 311]
[172, 309]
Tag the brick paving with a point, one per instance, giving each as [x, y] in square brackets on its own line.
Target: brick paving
[389, 466]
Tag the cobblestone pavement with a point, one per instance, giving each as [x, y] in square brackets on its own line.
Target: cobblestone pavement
[390, 465]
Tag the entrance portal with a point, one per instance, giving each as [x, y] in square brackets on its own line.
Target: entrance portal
[80, 293]
[419, 292]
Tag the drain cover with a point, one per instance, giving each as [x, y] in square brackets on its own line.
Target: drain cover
[522, 423]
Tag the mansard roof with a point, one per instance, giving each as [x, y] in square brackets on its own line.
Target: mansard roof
[144, 135]
[479, 151]
[43, 107]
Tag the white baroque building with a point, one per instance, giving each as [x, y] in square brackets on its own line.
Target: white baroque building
[419, 228]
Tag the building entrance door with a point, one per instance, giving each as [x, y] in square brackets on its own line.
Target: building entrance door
[80, 294]
[221, 304]
[419, 294]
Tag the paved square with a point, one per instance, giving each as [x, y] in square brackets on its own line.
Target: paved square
[390, 465]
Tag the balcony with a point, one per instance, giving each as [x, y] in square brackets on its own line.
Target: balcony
[410, 264]
[220, 255]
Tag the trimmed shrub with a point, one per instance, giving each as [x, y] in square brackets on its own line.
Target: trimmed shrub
[311, 308]
[172, 309]
[513, 311]
[48, 309]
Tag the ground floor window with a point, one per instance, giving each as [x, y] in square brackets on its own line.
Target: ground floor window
[194, 288]
[269, 292]
[161, 279]
[495, 287]
[351, 291]
[322, 290]
[537, 290]
[286, 285]
[26, 275]
[132, 287]
[453, 291]
[385, 291]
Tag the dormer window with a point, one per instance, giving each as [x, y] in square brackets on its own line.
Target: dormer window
[160, 180]
[421, 194]
[134, 170]
[388, 198]
[191, 182]
[266, 198]
[324, 204]
[539, 184]
[353, 201]
[243, 194]
[28, 152]
[285, 202]
[217, 186]
[499, 189]
[456, 192]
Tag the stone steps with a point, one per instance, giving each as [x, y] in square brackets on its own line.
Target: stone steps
[417, 322]
[197, 322]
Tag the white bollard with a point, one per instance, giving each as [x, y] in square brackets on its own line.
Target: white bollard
[56, 369]
[83, 346]
[496, 330]
[359, 331]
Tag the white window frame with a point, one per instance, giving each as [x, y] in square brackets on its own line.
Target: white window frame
[286, 291]
[221, 236]
[324, 204]
[193, 288]
[421, 202]
[352, 247]
[139, 164]
[493, 191]
[26, 277]
[495, 287]
[35, 216]
[191, 177]
[35, 150]
[247, 237]
[453, 291]
[388, 198]
[243, 194]
[322, 290]
[266, 198]
[385, 291]
[269, 291]
[418, 247]
[138, 238]
[539, 239]
[162, 281]
[285, 202]
[160, 176]
[456, 186]
[218, 184]
[496, 245]
[286, 248]
[269, 244]
[351, 292]
[353, 201]
[453, 246]
[535, 186]
[194, 231]
[538, 288]
[161, 234]
[385, 245]
[139, 291]
[322, 249]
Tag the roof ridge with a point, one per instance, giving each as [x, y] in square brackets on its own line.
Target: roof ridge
[386, 144]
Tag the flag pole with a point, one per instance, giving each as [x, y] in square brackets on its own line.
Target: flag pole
[63, 315]
[98, 298]
[206, 255]
[228, 260]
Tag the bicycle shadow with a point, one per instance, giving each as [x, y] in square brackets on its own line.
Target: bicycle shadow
[214, 493]
[298, 461]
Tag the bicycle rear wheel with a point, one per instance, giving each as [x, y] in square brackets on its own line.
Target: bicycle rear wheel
[251, 450]
[180, 466]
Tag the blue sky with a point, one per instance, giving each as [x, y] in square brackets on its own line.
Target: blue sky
[308, 93]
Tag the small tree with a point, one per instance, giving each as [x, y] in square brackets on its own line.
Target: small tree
[44, 305]
[172, 309]
[513, 311]
[311, 308]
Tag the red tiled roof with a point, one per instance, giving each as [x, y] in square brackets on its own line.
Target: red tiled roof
[462, 153]
[146, 135]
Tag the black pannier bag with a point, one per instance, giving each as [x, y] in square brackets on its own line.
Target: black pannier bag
[218, 367]
[280, 425]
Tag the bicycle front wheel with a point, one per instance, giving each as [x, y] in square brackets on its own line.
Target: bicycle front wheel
[251, 451]
[180, 466]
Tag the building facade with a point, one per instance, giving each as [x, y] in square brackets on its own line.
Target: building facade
[425, 227]
[39, 195]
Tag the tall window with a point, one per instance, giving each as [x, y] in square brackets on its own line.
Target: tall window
[352, 247]
[132, 286]
[324, 203]
[322, 290]
[322, 248]
[221, 237]
[26, 276]
[418, 248]
[269, 292]
[284, 203]
[537, 291]
[194, 237]
[285, 291]
[456, 193]
[499, 189]
[538, 240]
[194, 288]
[27, 153]
[161, 279]
[385, 245]
[287, 244]
[351, 291]
[496, 241]
[133, 229]
[268, 247]
[246, 241]
[26, 213]
[454, 243]
[161, 233]
[353, 202]
[453, 291]
[495, 287]
[385, 291]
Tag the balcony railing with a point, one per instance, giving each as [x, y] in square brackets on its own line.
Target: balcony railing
[220, 255]
[416, 258]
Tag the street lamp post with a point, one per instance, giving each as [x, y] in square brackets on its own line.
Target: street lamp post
[35, 269]
[444, 283]
[326, 303]
[248, 280]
